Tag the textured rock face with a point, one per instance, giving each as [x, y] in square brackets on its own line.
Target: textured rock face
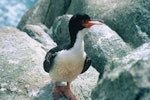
[60, 32]
[21, 58]
[130, 19]
[130, 81]
[39, 33]
[21, 67]
[44, 12]
[120, 50]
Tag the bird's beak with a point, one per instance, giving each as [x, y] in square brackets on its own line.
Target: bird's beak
[90, 23]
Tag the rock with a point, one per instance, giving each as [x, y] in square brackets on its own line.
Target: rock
[129, 80]
[38, 32]
[104, 45]
[44, 12]
[60, 32]
[21, 72]
[130, 19]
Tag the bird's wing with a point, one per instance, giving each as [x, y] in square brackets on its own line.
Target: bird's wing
[87, 64]
[49, 58]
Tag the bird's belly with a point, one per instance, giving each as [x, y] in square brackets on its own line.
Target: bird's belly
[67, 67]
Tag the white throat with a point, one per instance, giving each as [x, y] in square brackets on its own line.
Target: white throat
[79, 43]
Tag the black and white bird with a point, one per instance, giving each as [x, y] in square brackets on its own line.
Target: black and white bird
[64, 64]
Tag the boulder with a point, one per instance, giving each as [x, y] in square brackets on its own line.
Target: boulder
[60, 31]
[21, 72]
[21, 68]
[130, 19]
[129, 80]
[44, 12]
[39, 33]
[104, 45]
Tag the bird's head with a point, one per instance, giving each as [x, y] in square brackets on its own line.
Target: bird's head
[79, 22]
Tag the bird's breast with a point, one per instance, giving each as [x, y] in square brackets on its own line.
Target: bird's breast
[68, 65]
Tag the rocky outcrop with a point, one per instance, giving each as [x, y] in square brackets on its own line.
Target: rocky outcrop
[119, 50]
[44, 12]
[130, 80]
[21, 67]
[39, 33]
[130, 19]
[21, 58]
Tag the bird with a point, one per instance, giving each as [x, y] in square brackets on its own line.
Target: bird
[65, 63]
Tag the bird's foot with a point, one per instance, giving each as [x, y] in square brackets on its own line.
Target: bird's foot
[60, 91]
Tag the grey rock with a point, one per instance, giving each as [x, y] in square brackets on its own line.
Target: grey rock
[104, 45]
[130, 19]
[44, 12]
[21, 72]
[39, 33]
[129, 80]
[60, 32]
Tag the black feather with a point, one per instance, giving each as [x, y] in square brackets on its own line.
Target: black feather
[87, 64]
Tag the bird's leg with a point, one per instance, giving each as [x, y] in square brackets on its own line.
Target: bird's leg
[68, 93]
[59, 91]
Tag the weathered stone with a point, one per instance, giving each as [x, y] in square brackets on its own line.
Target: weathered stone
[104, 45]
[21, 69]
[130, 19]
[60, 32]
[44, 12]
[21, 72]
[38, 32]
[129, 80]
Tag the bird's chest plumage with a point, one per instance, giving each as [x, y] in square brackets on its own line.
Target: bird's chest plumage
[68, 65]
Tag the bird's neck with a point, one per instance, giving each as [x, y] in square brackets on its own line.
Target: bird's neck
[79, 42]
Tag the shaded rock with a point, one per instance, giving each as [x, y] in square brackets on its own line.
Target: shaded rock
[104, 45]
[44, 12]
[130, 19]
[21, 72]
[60, 31]
[36, 14]
[129, 80]
[38, 32]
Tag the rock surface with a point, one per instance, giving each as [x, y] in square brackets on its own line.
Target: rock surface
[130, 19]
[120, 50]
[21, 72]
[130, 80]
[39, 33]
